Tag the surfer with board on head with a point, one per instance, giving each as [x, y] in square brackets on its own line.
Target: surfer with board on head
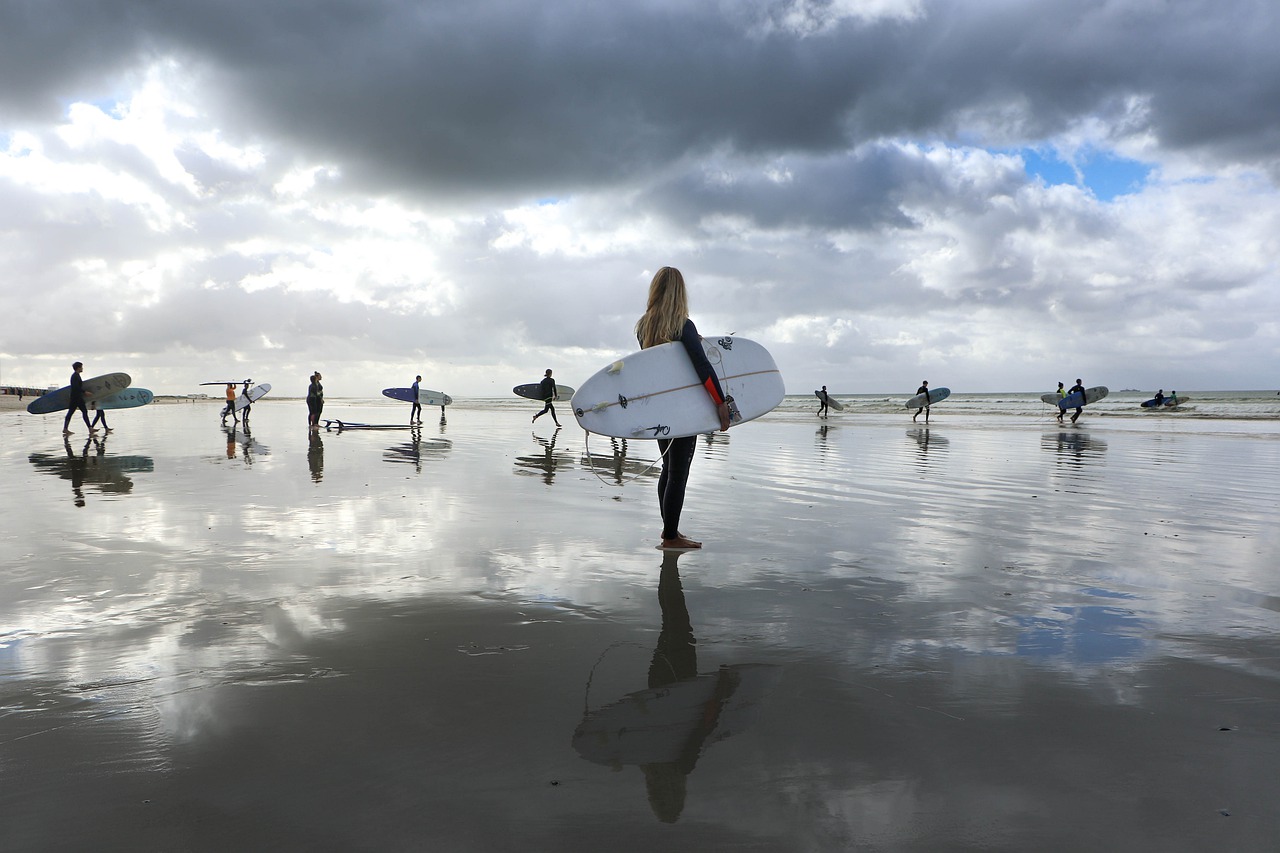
[231, 405]
[77, 400]
[666, 319]
[923, 389]
[549, 395]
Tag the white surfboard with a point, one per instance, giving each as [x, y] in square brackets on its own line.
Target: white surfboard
[656, 393]
[831, 401]
[1071, 401]
[256, 393]
[936, 395]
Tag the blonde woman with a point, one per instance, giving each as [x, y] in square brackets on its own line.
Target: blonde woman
[666, 319]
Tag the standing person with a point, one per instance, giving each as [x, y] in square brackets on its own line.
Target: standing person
[1079, 386]
[666, 319]
[231, 405]
[923, 389]
[315, 401]
[244, 416]
[77, 400]
[824, 403]
[1160, 398]
[415, 414]
[547, 388]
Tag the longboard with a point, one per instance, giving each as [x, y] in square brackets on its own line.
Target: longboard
[936, 395]
[533, 391]
[238, 382]
[254, 394]
[656, 393]
[98, 386]
[1076, 400]
[425, 397]
[831, 401]
[129, 398]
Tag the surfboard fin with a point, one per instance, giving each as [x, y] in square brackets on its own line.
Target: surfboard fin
[615, 368]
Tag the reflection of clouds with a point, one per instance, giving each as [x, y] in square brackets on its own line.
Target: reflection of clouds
[90, 466]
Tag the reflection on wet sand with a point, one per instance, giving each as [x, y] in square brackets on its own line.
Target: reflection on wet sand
[1075, 449]
[665, 728]
[240, 442]
[926, 441]
[106, 474]
[547, 462]
[617, 467]
[315, 455]
[413, 452]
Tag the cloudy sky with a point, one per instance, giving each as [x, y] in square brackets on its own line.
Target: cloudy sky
[993, 195]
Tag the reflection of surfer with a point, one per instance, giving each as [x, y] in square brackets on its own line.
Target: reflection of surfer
[923, 389]
[666, 319]
[315, 455]
[546, 388]
[824, 402]
[77, 466]
[77, 400]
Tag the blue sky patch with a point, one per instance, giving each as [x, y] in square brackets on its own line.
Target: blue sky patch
[1105, 175]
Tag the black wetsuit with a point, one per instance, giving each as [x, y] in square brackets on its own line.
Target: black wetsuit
[76, 402]
[547, 388]
[315, 401]
[677, 453]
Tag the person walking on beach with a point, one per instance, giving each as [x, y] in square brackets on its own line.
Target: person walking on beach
[76, 401]
[1062, 392]
[244, 416]
[823, 403]
[1079, 386]
[231, 405]
[315, 401]
[100, 415]
[547, 388]
[666, 319]
[415, 413]
[923, 389]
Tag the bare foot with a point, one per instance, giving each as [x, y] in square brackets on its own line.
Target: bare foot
[679, 543]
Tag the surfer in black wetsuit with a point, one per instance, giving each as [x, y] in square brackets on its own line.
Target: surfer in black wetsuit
[666, 319]
[1159, 398]
[547, 388]
[923, 389]
[823, 403]
[76, 401]
[1079, 386]
[315, 401]
[244, 416]
[415, 413]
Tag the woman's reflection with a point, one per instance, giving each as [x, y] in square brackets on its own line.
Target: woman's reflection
[664, 729]
[315, 455]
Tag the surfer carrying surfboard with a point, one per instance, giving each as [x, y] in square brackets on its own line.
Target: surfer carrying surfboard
[231, 405]
[824, 402]
[1079, 386]
[549, 395]
[415, 413]
[77, 400]
[923, 389]
[666, 319]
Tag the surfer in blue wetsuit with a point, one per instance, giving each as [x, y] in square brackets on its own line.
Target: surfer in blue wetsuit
[77, 400]
[1079, 386]
[547, 388]
[415, 414]
[923, 389]
[824, 402]
[666, 319]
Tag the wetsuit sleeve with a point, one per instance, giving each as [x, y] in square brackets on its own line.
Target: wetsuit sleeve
[693, 345]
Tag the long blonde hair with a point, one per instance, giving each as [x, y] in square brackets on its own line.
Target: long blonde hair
[667, 310]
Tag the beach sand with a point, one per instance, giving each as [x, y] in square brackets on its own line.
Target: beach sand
[985, 634]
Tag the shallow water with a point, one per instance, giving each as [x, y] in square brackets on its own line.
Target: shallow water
[990, 633]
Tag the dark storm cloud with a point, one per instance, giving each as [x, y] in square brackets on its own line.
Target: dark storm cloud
[479, 95]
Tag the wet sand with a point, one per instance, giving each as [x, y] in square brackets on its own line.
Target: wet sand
[979, 635]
